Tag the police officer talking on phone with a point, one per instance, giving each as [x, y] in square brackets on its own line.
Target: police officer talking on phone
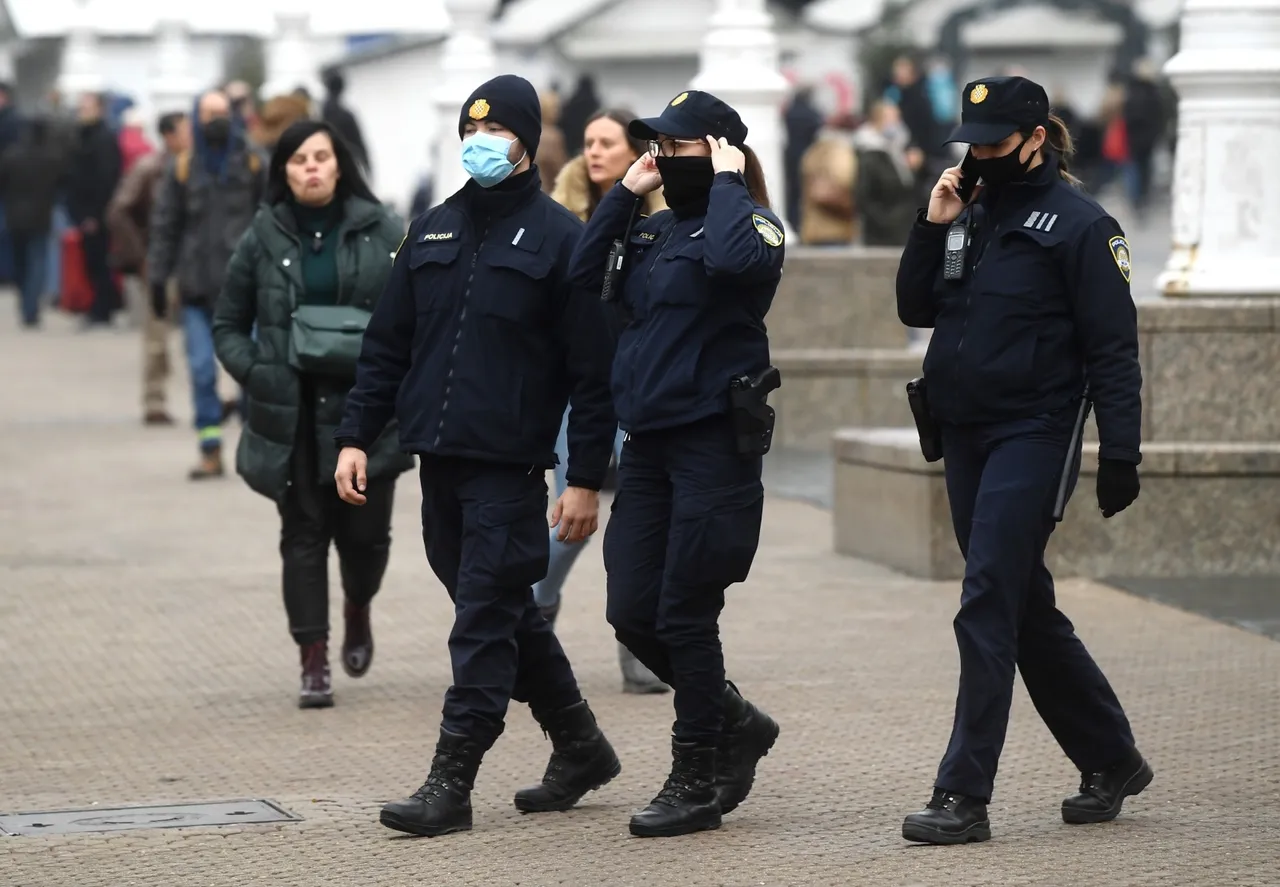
[689, 383]
[1027, 291]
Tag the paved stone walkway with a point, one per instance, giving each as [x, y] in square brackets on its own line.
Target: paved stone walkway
[145, 660]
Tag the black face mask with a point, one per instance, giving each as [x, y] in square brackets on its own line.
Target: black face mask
[686, 181]
[217, 132]
[1003, 170]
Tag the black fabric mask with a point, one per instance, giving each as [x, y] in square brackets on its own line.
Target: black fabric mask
[1003, 170]
[686, 182]
[217, 132]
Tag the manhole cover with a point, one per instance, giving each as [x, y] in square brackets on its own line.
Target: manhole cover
[113, 819]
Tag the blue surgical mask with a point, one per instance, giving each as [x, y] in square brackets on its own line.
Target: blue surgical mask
[484, 157]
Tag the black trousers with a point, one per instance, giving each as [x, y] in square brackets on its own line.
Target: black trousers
[311, 517]
[685, 526]
[1002, 480]
[106, 297]
[485, 529]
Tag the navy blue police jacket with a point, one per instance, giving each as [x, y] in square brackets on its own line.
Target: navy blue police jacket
[1045, 303]
[480, 339]
[696, 289]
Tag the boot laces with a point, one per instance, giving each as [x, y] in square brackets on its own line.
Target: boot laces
[674, 791]
[439, 780]
[563, 752]
[1092, 783]
[944, 801]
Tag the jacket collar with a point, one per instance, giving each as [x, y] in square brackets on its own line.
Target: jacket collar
[277, 219]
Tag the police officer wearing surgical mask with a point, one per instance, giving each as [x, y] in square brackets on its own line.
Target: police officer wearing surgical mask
[1026, 289]
[697, 281]
[476, 347]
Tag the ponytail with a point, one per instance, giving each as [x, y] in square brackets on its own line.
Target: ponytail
[1058, 137]
[754, 175]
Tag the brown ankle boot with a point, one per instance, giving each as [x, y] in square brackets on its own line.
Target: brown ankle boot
[357, 643]
[210, 465]
[317, 691]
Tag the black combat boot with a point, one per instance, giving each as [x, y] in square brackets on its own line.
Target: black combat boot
[1102, 794]
[687, 802]
[582, 760]
[747, 736]
[443, 804]
[949, 818]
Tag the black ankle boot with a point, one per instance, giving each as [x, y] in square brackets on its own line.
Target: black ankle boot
[687, 802]
[443, 804]
[747, 736]
[582, 760]
[1102, 794]
[949, 818]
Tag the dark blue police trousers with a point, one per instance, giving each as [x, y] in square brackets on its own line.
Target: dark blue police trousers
[485, 529]
[684, 527]
[1002, 480]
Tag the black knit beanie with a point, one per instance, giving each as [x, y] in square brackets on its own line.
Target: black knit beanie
[511, 101]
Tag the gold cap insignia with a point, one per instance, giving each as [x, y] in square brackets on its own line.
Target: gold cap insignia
[479, 110]
[678, 99]
[979, 94]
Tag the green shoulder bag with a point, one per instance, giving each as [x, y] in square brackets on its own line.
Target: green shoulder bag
[325, 340]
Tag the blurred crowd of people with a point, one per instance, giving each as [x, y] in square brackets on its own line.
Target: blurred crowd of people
[859, 178]
[63, 162]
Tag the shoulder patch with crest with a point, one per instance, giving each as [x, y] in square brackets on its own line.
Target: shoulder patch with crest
[1120, 252]
[769, 232]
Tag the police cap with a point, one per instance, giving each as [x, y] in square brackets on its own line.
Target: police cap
[693, 115]
[996, 108]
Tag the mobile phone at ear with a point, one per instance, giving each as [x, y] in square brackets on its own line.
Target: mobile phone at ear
[969, 180]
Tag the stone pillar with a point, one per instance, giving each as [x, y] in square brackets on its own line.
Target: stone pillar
[291, 60]
[739, 64]
[1226, 193]
[81, 69]
[8, 60]
[173, 85]
[467, 60]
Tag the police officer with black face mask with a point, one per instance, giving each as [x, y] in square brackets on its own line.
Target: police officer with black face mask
[696, 282]
[476, 346]
[1027, 291]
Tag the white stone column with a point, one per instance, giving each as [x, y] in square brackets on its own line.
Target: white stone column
[739, 64]
[1226, 190]
[8, 60]
[173, 84]
[291, 58]
[81, 69]
[467, 60]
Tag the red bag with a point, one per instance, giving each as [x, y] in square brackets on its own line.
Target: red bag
[77, 292]
[1115, 142]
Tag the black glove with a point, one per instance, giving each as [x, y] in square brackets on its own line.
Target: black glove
[159, 300]
[1117, 485]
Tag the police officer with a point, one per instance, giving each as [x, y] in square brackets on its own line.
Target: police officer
[1036, 304]
[477, 345]
[697, 281]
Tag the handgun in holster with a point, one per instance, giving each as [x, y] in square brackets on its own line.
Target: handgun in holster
[753, 419]
[926, 427]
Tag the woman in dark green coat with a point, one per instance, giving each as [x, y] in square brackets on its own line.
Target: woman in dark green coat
[308, 272]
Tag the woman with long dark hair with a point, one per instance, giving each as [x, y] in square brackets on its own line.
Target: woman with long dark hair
[309, 272]
[696, 283]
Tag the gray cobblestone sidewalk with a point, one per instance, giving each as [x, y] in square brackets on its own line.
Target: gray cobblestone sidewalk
[145, 659]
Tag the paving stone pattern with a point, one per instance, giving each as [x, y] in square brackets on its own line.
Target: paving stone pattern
[145, 659]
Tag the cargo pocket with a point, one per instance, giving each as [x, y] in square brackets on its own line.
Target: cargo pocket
[512, 544]
[715, 534]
